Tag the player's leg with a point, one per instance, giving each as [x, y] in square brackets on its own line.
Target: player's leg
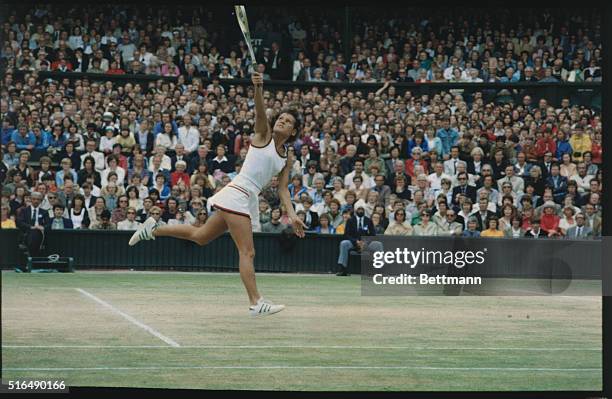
[241, 231]
[213, 228]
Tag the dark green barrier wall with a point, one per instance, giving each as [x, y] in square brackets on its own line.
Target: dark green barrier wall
[90, 248]
[313, 254]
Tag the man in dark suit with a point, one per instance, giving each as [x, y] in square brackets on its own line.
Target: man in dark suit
[146, 137]
[307, 72]
[312, 218]
[397, 171]
[535, 231]
[357, 226]
[483, 215]
[580, 230]
[464, 188]
[58, 222]
[546, 164]
[90, 199]
[347, 162]
[558, 183]
[180, 155]
[201, 155]
[31, 221]
[277, 63]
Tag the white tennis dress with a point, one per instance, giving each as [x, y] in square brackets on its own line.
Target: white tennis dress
[240, 196]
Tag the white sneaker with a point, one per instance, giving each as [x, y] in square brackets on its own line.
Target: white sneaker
[265, 308]
[144, 232]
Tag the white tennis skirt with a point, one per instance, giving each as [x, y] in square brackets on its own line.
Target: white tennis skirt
[238, 200]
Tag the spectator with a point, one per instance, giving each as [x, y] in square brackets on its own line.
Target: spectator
[200, 218]
[471, 230]
[399, 226]
[580, 230]
[324, 226]
[515, 230]
[535, 231]
[425, 227]
[104, 222]
[31, 221]
[450, 227]
[7, 221]
[59, 222]
[492, 229]
[274, 225]
[357, 226]
[78, 214]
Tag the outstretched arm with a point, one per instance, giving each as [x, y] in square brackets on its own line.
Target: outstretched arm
[285, 197]
[262, 127]
[382, 89]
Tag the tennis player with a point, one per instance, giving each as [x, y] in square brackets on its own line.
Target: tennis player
[237, 204]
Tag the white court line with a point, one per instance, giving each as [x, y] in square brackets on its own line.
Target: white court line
[298, 368]
[415, 348]
[130, 318]
[590, 298]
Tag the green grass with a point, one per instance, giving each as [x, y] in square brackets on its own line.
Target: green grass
[329, 337]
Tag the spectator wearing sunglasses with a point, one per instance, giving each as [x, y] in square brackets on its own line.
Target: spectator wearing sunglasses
[130, 222]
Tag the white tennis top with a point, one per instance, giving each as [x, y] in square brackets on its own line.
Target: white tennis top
[260, 165]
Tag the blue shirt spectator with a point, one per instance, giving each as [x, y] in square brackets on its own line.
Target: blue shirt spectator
[165, 193]
[448, 137]
[296, 193]
[57, 142]
[332, 230]
[563, 147]
[159, 127]
[470, 233]
[59, 177]
[43, 141]
[7, 133]
[412, 143]
[23, 139]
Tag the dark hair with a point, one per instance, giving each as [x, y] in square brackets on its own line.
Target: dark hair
[297, 124]
[79, 197]
[89, 158]
[133, 188]
[112, 157]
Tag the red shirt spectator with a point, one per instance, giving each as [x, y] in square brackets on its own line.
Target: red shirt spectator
[545, 144]
[61, 65]
[596, 153]
[549, 220]
[180, 174]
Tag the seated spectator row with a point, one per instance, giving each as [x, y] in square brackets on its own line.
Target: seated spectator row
[308, 43]
[101, 149]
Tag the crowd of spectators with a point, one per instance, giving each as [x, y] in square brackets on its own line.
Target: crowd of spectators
[110, 155]
[308, 43]
[94, 153]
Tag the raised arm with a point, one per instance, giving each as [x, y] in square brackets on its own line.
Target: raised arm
[263, 132]
[382, 89]
[285, 197]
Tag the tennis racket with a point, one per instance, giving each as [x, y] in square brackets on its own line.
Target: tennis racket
[244, 27]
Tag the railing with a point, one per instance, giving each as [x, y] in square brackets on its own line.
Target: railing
[585, 93]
